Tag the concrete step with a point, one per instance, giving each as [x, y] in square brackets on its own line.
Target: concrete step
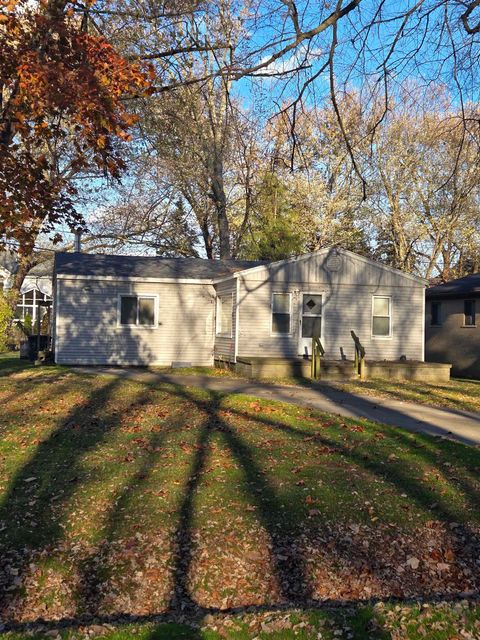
[294, 367]
[337, 370]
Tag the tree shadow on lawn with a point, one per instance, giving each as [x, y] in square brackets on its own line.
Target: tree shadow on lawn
[290, 569]
[36, 501]
[288, 555]
[59, 385]
[288, 560]
[427, 393]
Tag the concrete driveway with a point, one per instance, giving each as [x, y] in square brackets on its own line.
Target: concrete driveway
[451, 423]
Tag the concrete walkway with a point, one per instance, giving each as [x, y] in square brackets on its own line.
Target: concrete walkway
[459, 425]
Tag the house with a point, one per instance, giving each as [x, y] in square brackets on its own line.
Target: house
[130, 310]
[451, 331]
[36, 286]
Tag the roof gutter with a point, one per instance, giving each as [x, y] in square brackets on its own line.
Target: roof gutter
[66, 276]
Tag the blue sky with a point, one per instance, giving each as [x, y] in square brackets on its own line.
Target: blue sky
[352, 64]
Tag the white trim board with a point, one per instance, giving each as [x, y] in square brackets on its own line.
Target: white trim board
[62, 276]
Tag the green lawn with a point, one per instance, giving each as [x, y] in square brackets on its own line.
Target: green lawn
[232, 516]
[455, 394]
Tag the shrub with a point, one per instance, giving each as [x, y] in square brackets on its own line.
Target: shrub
[6, 317]
[27, 324]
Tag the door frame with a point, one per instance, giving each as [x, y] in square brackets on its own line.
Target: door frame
[300, 345]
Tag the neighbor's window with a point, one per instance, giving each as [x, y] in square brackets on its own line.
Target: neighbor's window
[137, 310]
[281, 311]
[382, 316]
[224, 315]
[27, 305]
[469, 313]
[436, 315]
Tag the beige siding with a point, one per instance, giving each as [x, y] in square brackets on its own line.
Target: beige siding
[347, 304]
[452, 342]
[225, 347]
[87, 331]
[327, 268]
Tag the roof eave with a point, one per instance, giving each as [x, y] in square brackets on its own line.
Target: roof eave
[452, 295]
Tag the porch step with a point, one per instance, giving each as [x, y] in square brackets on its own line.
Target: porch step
[337, 370]
[294, 368]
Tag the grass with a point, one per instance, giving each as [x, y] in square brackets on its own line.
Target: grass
[460, 394]
[383, 622]
[463, 395]
[229, 515]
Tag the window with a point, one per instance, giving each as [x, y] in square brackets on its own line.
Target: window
[224, 315]
[469, 313]
[436, 314]
[381, 317]
[137, 311]
[281, 310]
[27, 305]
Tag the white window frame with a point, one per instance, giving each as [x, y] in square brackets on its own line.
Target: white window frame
[272, 332]
[130, 294]
[218, 316]
[37, 295]
[390, 316]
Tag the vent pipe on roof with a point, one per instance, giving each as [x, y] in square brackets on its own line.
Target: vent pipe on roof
[77, 245]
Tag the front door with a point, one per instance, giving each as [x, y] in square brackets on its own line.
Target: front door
[310, 321]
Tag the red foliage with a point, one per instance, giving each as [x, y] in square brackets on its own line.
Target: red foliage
[62, 109]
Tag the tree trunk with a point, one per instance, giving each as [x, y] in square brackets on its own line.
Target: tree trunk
[220, 201]
[207, 238]
[25, 263]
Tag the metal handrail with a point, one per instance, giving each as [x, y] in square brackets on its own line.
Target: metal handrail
[359, 363]
[317, 352]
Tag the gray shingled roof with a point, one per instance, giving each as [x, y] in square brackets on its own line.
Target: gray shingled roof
[88, 264]
[466, 286]
[7, 261]
[44, 268]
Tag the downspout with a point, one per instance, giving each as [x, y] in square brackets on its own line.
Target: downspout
[55, 317]
[423, 324]
[237, 316]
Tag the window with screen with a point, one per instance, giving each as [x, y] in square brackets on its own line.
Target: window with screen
[281, 313]
[436, 314]
[469, 313]
[137, 311]
[381, 316]
[224, 315]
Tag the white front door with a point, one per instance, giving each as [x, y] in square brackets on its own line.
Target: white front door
[310, 323]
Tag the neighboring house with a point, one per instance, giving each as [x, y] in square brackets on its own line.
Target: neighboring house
[36, 287]
[171, 311]
[451, 331]
[8, 268]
